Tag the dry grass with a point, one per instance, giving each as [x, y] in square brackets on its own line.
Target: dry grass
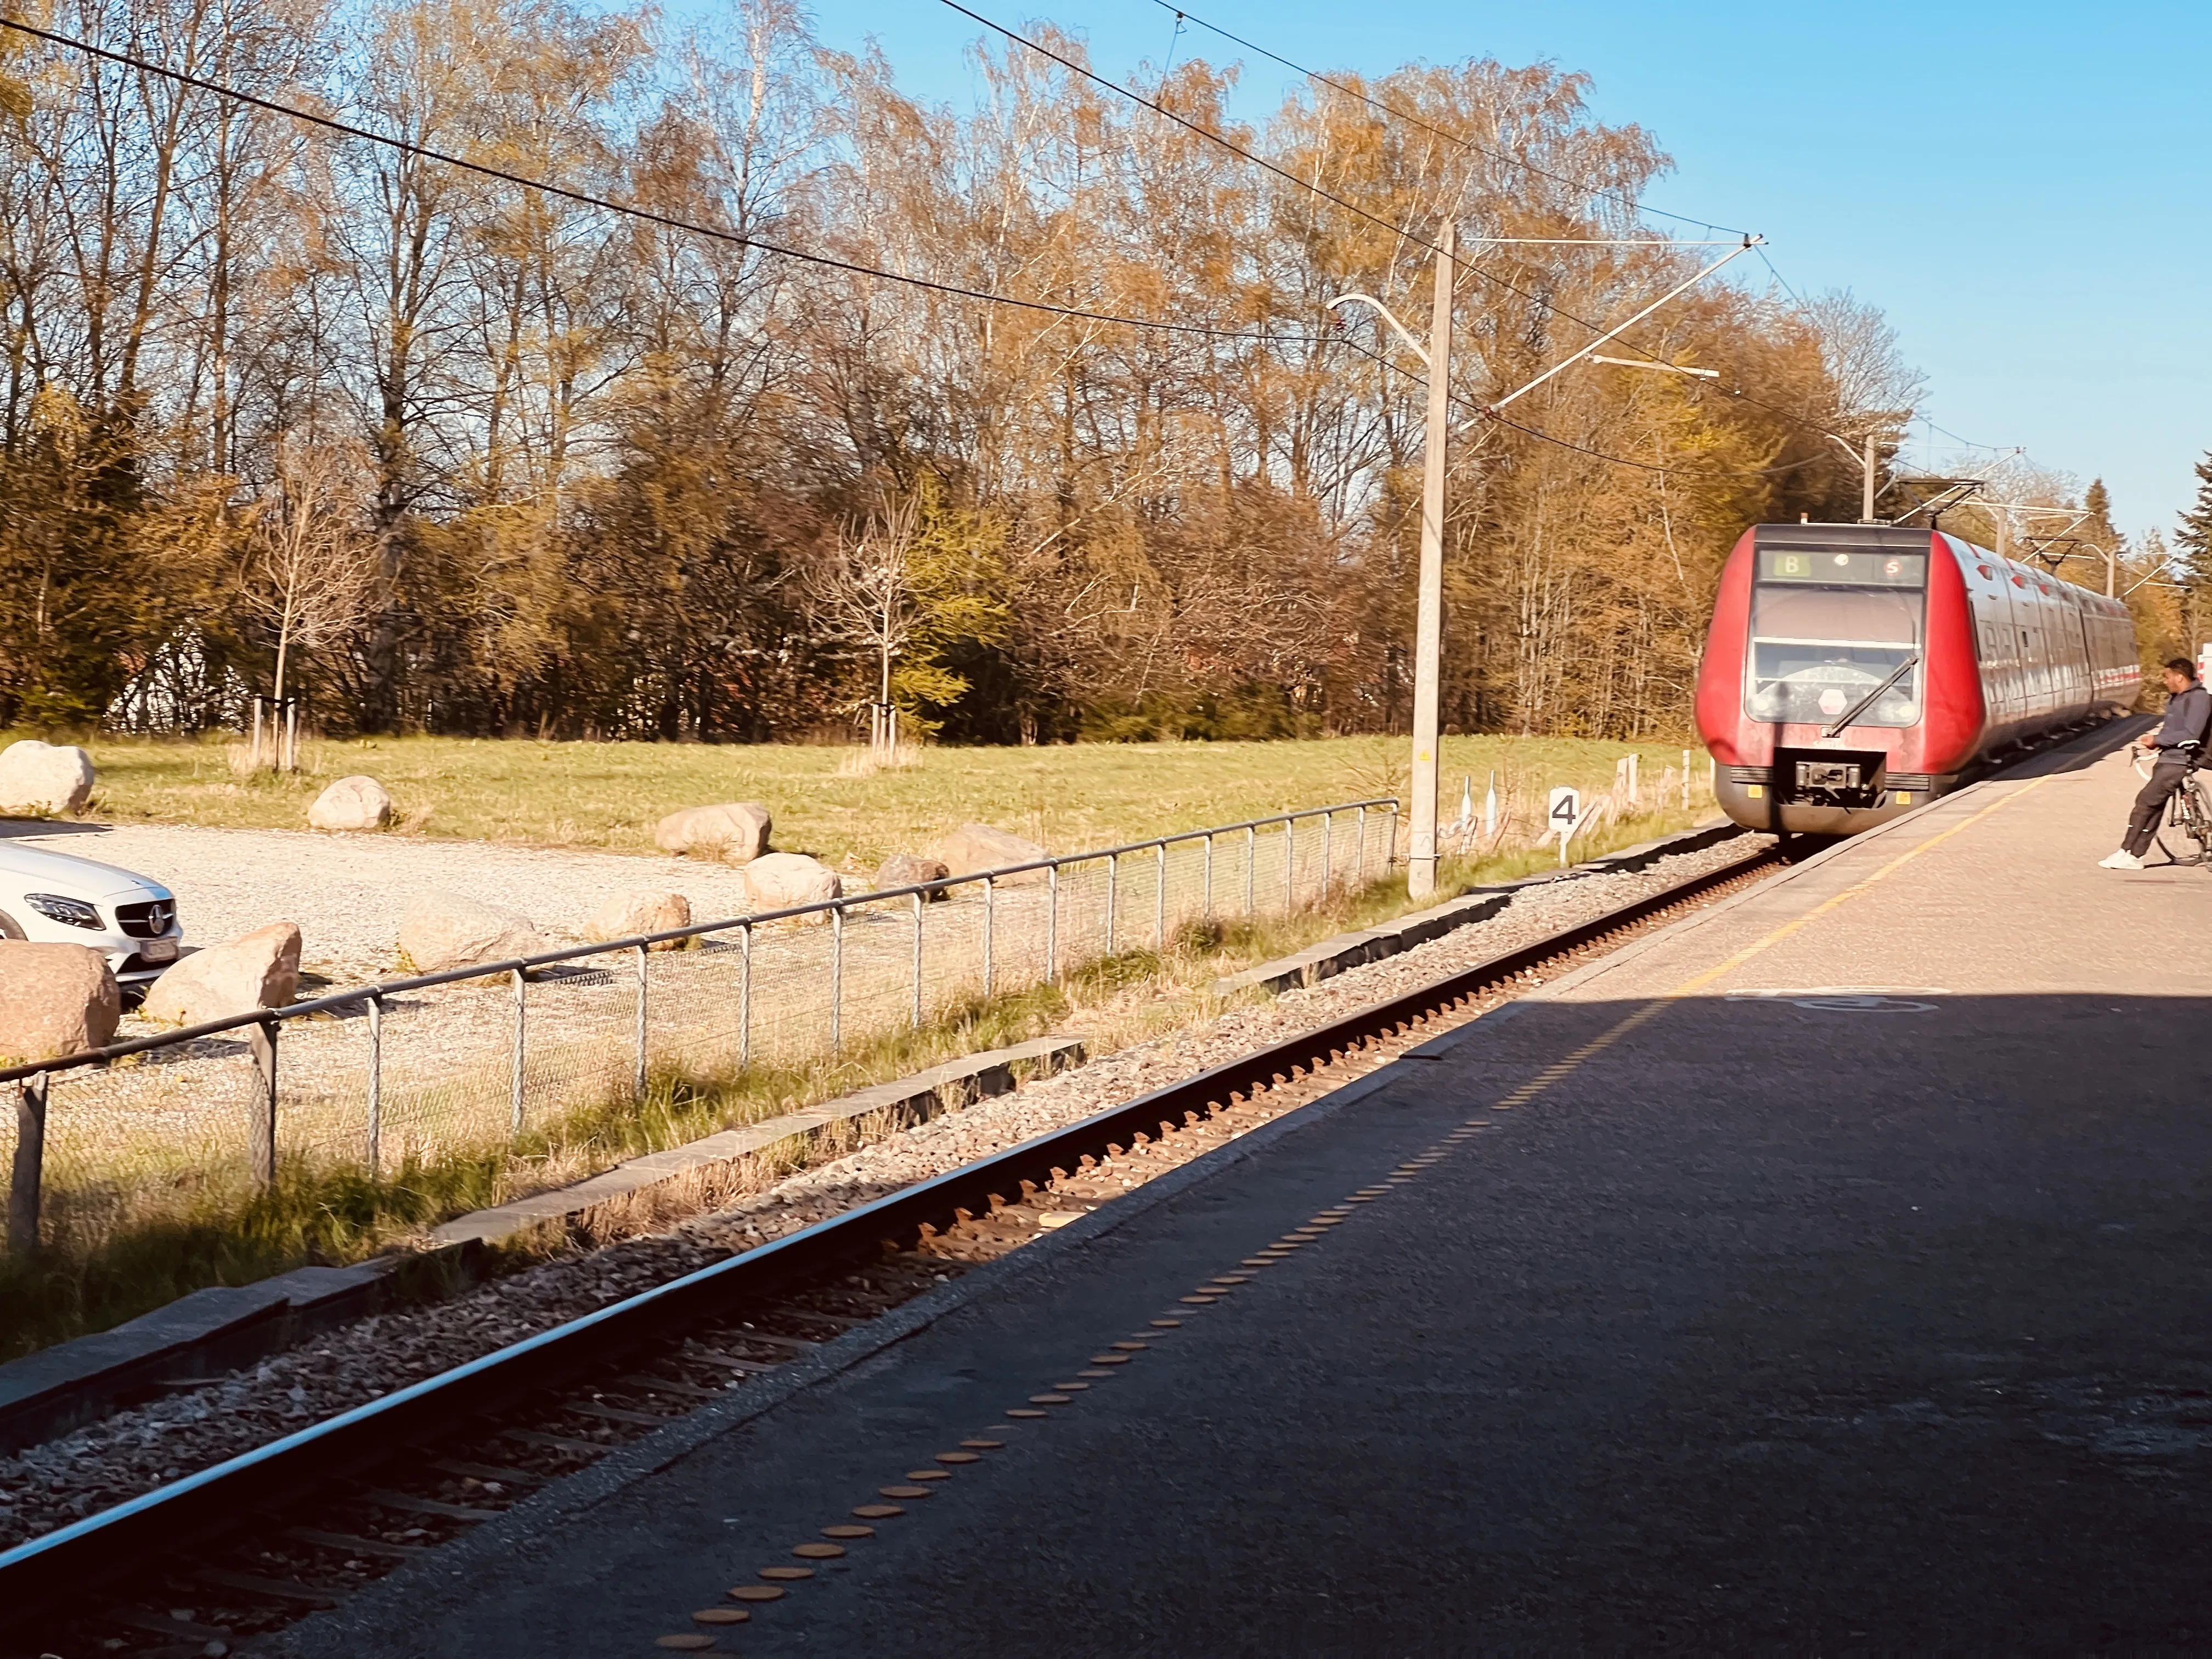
[851, 814]
[340, 1214]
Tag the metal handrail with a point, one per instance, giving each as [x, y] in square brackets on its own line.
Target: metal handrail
[372, 993]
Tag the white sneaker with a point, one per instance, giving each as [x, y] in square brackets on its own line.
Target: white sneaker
[2121, 859]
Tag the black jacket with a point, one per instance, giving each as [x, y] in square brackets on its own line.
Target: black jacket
[2187, 714]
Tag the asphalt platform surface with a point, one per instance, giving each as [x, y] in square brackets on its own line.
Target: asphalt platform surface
[1826, 1274]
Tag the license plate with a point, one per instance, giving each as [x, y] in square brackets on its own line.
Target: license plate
[158, 950]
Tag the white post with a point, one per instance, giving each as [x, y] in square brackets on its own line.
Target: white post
[1489, 810]
[638, 1065]
[375, 1088]
[1428, 625]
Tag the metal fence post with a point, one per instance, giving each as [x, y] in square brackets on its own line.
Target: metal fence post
[514, 1083]
[918, 898]
[1160, 897]
[1359, 859]
[1205, 895]
[1052, 923]
[1390, 849]
[1289, 865]
[261, 1129]
[637, 1076]
[1113, 881]
[990, 901]
[744, 996]
[25, 1180]
[375, 1148]
[1251, 862]
[1327, 850]
[837, 977]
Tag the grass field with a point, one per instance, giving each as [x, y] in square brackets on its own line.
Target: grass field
[609, 795]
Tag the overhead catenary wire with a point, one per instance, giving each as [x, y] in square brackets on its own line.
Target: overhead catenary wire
[740, 238]
[1281, 172]
[631, 209]
[1595, 193]
[1735, 392]
[1353, 207]
[1485, 412]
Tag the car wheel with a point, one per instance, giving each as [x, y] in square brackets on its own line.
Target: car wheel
[10, 928]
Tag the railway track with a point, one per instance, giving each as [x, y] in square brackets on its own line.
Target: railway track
[248, 1546]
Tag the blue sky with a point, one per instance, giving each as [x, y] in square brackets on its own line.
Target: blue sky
[2022, 188]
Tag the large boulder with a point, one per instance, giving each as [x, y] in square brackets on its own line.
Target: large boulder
[351, 804]
[54, 1000]
[43, 780]
[259, 970]
[975, 847]
[626, 916]
[440, 930]
[781, 881]
[911, 870]
[735, 832]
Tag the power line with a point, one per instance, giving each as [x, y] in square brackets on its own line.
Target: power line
[631, 209]
[1968, 442]
[1180, 14]
[1629, 202]
[1778, 276]
[1282, 172]
[741, 240]
[1189, 126]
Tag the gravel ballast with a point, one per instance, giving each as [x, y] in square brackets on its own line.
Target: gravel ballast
[137, 1450]
[346, 891]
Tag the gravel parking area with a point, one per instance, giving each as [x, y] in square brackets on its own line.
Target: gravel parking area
[137, 1450]
[346, 892]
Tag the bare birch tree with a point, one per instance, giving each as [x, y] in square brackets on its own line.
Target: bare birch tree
[308, 572]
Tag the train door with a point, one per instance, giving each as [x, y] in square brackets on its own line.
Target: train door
[2029, 617]
[2076, 621]
[2000, 683]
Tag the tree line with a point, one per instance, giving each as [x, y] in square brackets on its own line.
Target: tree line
[287, 411]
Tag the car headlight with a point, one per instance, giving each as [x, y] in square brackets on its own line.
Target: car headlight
[52, 906]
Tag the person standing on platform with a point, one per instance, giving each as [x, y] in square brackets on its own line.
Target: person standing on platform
[2178, 743]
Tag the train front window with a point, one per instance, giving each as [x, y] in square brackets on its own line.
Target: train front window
[1828, 628]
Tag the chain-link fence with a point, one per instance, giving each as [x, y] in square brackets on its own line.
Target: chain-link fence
[482, 1061]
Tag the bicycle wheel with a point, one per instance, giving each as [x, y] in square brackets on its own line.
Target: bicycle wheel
[2193, 816]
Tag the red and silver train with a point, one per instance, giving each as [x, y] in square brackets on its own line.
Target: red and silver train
[1854, 670]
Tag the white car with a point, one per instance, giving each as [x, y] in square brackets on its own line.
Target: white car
[56, 898]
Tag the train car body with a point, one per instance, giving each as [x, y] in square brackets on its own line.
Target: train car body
[1852, 671]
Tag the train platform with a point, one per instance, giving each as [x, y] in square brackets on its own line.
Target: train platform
[1827, 1272]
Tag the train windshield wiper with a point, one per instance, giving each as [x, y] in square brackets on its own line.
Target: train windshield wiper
[1859, 706]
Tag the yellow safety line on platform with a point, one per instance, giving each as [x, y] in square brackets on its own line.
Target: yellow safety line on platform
[1689, 988]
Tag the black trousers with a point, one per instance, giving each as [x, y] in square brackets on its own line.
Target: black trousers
[2150, 803]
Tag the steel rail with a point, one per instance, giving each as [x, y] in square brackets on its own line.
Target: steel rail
[37, 1574]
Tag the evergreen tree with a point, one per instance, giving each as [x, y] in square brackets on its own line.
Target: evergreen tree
[2193, 539]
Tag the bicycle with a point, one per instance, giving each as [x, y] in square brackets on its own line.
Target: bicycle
[2187, 810]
